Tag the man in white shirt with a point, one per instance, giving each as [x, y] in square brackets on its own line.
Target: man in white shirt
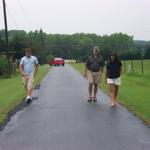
[28, 68]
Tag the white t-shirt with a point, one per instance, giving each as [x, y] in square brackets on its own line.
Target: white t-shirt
[29, 64]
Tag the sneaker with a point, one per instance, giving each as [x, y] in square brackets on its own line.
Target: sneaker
[89, 99]
[28, 100]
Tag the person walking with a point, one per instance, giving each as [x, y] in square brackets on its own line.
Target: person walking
[93, 70]
[113, 76]
[28, 68]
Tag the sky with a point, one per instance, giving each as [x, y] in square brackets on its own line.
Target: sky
[76, 16]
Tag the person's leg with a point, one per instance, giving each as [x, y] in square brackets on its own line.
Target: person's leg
[112, 93]
[116, 92]
[117, 84]
[29, 92]
[90, 89]
[25, 82]
[26, 86]
[95, 92]
[95, 89]
[96, 79]
[30, 85]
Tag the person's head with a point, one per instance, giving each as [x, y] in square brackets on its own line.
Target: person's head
[96, 51]
[113, 57]
[28, 52]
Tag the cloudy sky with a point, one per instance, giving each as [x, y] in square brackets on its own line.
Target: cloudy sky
[72, 16]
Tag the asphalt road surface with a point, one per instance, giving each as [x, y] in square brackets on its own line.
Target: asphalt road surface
[61, 119]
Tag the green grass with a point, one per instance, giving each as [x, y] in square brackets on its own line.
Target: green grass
[137, 67]
[135, 90]
[12, 91]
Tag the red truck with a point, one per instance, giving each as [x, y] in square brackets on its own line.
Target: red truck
[57, 62]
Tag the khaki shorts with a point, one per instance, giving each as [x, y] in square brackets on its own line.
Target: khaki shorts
[28, 81]
[93, 77]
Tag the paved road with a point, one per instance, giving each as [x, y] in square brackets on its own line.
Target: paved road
[62, 120]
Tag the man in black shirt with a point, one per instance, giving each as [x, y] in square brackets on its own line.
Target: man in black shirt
[94, 65]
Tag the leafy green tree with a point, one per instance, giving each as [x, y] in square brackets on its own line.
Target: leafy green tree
[2, 45]
[76, 46]
[147, 53]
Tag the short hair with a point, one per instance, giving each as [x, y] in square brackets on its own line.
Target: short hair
[96, 47]
[28, 50]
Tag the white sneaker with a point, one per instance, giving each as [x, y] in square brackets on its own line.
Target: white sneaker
[28, 99]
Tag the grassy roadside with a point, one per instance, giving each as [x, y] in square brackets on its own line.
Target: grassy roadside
[12, 92]
[134, 93]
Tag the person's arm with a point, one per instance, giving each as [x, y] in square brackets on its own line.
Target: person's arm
[21, 67]
[103, 65]
[36, 69]
[36, 66]
[120, 68]
[86, 67]
[85, 71]
[106, 72]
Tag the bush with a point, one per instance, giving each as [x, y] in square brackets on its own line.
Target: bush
[3, 65]
[49, 57]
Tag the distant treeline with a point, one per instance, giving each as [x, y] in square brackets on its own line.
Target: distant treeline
[76, 46]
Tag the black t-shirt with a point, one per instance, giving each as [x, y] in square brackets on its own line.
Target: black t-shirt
[95, 64]
[114, 69]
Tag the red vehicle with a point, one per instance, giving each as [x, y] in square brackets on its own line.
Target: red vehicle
[57, 62]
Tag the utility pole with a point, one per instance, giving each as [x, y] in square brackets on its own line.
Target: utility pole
[41, 37]
[42, 46]
[6, 36]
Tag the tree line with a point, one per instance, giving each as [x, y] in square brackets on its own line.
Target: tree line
[76, 46]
